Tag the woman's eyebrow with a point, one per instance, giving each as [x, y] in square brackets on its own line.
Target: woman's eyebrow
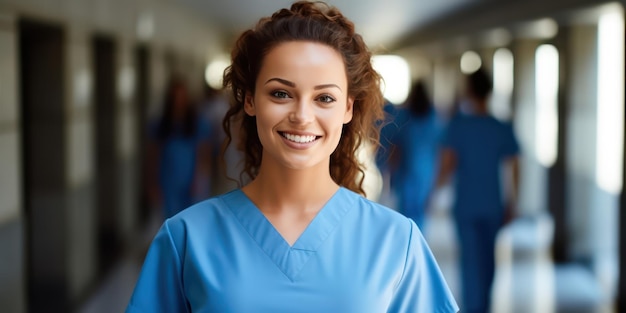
[324, 86]
[282, 81]
[292, 84]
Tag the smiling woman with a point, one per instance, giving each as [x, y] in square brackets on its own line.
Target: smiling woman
[300, 229]
[300, 106]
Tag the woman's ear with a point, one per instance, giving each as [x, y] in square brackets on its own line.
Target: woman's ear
[347, 117]
[248, 105]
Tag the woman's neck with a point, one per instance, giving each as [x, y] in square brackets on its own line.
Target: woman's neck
[278, 189]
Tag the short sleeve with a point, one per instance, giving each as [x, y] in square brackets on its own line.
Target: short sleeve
[159, 287]
[422, 287]
[511, 146]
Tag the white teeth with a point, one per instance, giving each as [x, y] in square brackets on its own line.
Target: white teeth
[298, 138]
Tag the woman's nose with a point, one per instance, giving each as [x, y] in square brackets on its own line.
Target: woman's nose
[302, 113]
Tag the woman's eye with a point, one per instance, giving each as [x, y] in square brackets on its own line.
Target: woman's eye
[326, 99]
[280, 94]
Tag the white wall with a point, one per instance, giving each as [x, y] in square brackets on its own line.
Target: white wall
[533, 184]
[581, 159]
[9, 121]
[592, 212]
[11, 240]
[445, 83]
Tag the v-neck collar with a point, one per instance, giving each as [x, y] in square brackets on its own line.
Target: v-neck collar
[289, 259]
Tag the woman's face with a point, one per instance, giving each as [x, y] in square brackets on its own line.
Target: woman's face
[301, 103]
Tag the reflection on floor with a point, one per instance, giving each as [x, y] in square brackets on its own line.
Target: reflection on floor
[526, 280]
[115, 291]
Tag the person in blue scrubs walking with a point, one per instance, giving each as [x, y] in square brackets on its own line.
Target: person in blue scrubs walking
[300, 236]
[417, 146]
[475, 148]
[179, 151]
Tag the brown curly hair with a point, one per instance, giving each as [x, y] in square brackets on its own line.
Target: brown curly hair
[321, 23]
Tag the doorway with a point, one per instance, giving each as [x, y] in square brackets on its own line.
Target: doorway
[106, 158]
[43, 142]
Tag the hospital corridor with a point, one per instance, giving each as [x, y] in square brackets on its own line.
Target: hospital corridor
[111, 121]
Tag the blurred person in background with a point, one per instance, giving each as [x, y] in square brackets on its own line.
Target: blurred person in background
[300, 236]
[386, 156]
[213, 107]
[475, 147]
[417, 153]
[179, 152]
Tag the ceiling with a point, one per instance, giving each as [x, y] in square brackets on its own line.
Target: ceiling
[381, 22]
[394, 24]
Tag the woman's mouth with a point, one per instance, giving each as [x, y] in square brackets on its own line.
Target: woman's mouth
[299, 138]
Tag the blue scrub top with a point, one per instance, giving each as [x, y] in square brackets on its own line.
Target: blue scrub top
[223, 255]
[480, 143]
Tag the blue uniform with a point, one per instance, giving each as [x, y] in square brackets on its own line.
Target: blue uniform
[178, 159]
[480, 144]
[223, 255]
[418, 145]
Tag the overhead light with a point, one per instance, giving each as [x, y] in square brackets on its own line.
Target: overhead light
[470, 62]
[145, 26]
[396, 76]
[545, 28]
[498, 37]
[214, 72]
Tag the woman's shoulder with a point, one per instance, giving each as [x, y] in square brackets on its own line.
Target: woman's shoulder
[368, 209]
[379, 223]
[204, 212]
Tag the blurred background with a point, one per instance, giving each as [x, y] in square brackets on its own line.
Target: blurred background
[92, 90]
